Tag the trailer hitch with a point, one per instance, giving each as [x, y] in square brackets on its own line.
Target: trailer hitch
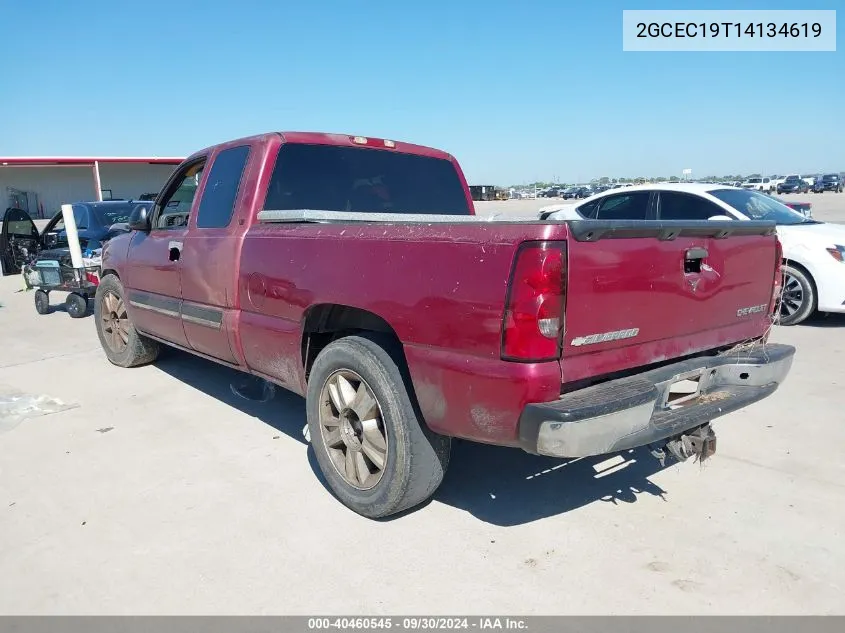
[699, 444]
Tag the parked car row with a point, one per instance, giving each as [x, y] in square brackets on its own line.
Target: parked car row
[818, 183]
[579, 191]
[813, 252]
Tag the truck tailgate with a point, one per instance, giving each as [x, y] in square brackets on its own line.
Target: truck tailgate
[645, 292]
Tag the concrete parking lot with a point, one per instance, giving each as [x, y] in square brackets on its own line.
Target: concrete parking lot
[158, 490]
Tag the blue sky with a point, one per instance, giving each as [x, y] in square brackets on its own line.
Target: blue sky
[517, 90]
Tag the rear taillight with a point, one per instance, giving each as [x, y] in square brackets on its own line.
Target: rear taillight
[778, 284]
[534, 310]
[92, 278]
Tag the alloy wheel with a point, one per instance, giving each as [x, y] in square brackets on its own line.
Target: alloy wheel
[352, 429]
[115, 322]
[792, 297]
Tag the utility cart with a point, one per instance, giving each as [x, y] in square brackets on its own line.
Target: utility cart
[48, 273]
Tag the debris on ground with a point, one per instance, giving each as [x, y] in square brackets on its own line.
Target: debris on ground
[15, 407]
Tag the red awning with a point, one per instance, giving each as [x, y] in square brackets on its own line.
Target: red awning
[45, 161]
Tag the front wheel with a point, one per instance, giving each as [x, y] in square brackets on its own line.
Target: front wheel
[123, 344]
[372, 446]
[42, 302]
[798, 298]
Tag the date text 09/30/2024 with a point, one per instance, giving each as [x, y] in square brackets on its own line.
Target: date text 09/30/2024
[416, 623]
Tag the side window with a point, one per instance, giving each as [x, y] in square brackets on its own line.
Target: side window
[624, 206]
[681, 206]
[175, 208]
[80, 216]
[221, 188]
[589, 210]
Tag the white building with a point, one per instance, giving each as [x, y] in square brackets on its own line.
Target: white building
[40, 185]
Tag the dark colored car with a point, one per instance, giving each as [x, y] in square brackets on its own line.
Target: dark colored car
[576, 192]
[793, 184]
[828, 182]
[96, 223]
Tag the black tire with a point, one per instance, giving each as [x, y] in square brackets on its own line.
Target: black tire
[76, 305]
[809, 296]
[417, 458]
[42, 302]
[139, 349]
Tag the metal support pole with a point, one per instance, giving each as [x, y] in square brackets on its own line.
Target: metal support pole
[98, 189]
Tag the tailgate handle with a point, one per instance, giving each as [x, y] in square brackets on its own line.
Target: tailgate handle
[696, 253]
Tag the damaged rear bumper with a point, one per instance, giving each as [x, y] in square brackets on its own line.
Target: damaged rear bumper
[645, 408]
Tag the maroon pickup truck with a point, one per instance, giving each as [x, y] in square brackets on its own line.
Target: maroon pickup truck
[353, 271]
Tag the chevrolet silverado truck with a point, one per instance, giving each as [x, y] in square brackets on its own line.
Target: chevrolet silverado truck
[353, 271]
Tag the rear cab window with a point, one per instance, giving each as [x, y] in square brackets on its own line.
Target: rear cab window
[113, 213]
[364, 180]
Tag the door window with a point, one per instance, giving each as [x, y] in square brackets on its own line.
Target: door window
[19, 224]
[80, 216]
[624, 206]
[683, 206]
[589, 209]
[221, 188]
[175, 209]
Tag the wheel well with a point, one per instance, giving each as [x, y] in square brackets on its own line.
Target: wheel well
[109, 271]
[328, 322]
[807, 273]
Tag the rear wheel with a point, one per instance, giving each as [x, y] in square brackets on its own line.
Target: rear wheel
[798, 298]
[123, 344]
[376, 453]
[76, 305]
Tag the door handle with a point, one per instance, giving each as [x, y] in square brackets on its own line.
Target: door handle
[175, 250]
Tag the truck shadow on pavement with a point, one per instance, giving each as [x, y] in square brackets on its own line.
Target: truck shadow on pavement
[507, 486]
[284, 411]
[498, 485]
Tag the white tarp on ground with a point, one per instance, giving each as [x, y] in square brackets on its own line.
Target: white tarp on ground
[15, 407]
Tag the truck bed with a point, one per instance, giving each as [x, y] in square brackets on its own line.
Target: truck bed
[439, 283]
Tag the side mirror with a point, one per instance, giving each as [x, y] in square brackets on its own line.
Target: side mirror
[50, 240]
[139, 219]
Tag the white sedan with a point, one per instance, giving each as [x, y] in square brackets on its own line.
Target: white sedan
[813, 252]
